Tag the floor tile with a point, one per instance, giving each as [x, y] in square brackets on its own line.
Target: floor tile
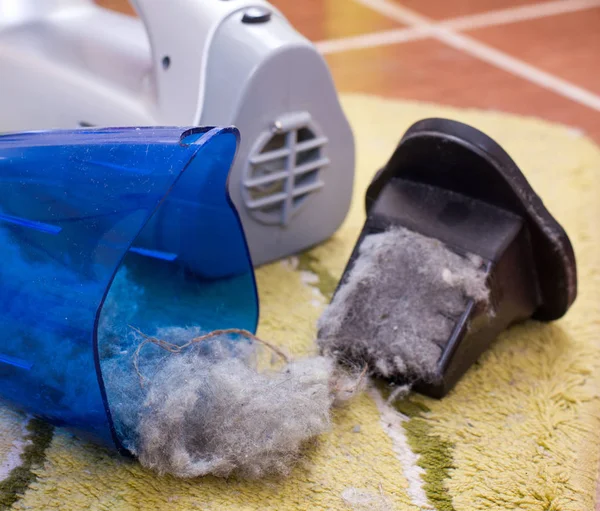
[431, 71]
[443, 9]
[567, 45]
[330, 19]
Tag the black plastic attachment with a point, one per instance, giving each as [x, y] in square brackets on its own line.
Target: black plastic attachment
[449, 181]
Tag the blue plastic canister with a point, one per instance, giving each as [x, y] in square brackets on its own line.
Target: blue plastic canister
[75, 208]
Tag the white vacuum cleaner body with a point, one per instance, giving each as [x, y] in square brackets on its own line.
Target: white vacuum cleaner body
[70, 63]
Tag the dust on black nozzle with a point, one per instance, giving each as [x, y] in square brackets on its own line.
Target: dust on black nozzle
[451, 182]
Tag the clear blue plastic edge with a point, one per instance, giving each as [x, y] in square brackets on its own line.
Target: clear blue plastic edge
[73, 206]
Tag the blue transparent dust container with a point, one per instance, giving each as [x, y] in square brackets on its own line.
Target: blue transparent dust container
[80, 208]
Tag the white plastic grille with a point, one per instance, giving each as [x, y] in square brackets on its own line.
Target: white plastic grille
[284, 169]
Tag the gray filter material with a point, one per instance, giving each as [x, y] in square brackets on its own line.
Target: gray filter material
[397, 308]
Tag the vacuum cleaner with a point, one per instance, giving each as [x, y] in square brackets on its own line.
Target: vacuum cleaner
[72, 64]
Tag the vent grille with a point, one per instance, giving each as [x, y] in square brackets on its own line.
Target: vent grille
[284, 169]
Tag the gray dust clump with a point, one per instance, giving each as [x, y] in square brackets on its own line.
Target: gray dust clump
[399, 304]
[211, 409]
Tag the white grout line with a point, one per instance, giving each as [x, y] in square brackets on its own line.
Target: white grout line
[517, 14]
[396, 12]
[13, 459]
[461, 23]
[521, 69]
[372, 40]
[486, 53]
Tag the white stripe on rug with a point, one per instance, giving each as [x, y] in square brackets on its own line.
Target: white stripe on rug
[13, 457]
[391, 421]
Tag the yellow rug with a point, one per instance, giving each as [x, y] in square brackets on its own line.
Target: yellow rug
[520, 431]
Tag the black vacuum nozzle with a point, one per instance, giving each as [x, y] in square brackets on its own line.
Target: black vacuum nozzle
[451, 182]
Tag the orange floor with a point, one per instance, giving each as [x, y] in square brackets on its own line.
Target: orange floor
[537, 59]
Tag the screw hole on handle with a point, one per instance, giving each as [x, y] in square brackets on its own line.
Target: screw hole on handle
[166, 62]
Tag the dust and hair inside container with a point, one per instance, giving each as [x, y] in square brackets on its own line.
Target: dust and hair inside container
[399, 303]
[191, 398]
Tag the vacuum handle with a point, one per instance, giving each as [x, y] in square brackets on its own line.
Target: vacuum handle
[180, 34]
